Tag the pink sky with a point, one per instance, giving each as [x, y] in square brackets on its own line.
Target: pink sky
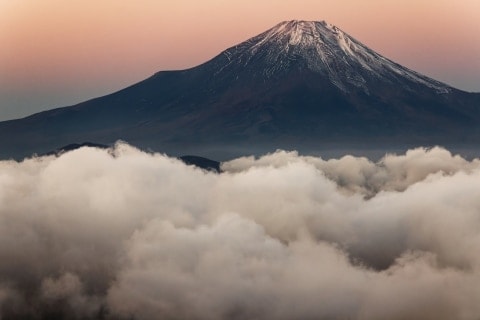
[56, 53]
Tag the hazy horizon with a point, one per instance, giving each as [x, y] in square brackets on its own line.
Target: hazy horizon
[59, 53]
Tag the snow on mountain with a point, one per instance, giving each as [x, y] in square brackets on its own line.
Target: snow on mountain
[322, 48]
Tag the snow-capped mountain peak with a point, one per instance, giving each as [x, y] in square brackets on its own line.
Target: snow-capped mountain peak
[301, 85]
[323, 48]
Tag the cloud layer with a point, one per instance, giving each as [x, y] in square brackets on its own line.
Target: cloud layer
[122, 234]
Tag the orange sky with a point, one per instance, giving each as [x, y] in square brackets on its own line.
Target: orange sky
[56, 52]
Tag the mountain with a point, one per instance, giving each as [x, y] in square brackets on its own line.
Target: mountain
[300, 85]
[72, 147]
[202, 163]
[199, 162]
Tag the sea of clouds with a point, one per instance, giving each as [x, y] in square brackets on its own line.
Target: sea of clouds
[124, 234]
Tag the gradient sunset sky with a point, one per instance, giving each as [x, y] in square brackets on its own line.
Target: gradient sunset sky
[56, 53]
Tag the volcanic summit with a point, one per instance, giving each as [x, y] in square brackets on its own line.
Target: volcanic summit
[301, 85]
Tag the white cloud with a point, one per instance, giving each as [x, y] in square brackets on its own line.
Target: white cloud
[126, 233]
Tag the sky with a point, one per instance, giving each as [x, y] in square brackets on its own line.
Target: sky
[56, 53]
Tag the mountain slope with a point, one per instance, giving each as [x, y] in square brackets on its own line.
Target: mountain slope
[304, 85]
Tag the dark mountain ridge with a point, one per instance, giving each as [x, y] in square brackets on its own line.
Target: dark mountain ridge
[300, 85]
[199, 162]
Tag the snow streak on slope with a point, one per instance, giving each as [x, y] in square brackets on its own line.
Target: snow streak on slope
[324, 48]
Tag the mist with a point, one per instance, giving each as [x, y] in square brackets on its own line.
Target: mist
[124, 234]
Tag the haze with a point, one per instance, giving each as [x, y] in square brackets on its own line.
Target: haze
[57, 53]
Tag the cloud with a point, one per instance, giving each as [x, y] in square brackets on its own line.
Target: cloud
[360, 175]
[120, 234]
